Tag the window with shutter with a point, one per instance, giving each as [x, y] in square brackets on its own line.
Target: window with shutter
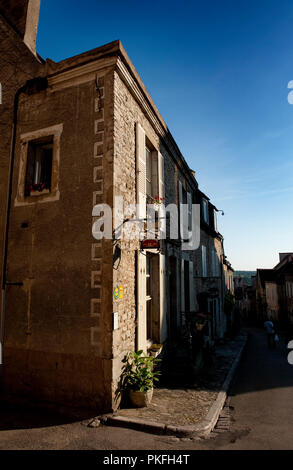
[191, 287]
[152, 323]
[141, 261]
[185, 212]
[215, 221]
[204, 260]
[180, 197]
[148, 157]
[140, 172]
[205, 210]
[161, 183]
[182, 297]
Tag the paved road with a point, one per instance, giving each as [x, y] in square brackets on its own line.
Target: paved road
[262, 418]
[262, 398]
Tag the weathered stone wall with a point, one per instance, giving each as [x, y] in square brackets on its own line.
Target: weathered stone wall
[127, 112]
[17, 65]
[58, 331]
[15, 12]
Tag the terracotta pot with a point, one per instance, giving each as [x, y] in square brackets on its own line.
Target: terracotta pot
[141, 399]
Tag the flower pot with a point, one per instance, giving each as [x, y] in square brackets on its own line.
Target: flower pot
[140, 399]
[155, 350]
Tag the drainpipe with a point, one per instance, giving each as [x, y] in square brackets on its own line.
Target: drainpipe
[32, 86]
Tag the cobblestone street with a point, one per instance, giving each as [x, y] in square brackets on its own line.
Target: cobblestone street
[257, 414]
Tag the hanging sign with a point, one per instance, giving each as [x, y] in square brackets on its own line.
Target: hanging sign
[150, 244]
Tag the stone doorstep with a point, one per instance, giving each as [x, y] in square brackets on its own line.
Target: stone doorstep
[202, 429]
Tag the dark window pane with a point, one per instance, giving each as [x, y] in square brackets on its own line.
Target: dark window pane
[39, 165]
[148, 287]
[148, 265]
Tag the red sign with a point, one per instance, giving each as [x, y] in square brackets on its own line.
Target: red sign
[150, 244]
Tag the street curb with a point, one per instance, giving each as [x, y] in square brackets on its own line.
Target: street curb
[201, 429]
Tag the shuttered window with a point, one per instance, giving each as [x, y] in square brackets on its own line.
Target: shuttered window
[148, 157]
[204, 260]
[191, 287]
[214, 262]
[141, 258]
[215, 221]
[205, 210]
[152, 322]
[185, 213]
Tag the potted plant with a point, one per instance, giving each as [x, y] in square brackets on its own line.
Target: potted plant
[138, 376]
[157, 200]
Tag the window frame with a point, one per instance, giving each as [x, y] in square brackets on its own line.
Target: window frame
[148, 167]
[153, 179]
[205, 210]
[204, 266]
[21, 198]
[36, 159]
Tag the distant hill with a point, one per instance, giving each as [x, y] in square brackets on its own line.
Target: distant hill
[246, 275]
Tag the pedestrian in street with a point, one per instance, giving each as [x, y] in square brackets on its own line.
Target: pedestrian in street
[269, 327]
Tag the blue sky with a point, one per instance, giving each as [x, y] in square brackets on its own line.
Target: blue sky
[218, 72]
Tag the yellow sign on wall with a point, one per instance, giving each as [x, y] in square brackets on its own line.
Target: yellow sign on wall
[121, 292]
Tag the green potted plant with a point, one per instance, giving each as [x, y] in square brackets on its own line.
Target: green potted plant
[138, 376]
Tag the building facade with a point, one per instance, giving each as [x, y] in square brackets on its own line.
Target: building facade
[274, 292]
[74, 303]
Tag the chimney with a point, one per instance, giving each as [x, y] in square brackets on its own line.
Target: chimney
[23, 17]
[282, 256]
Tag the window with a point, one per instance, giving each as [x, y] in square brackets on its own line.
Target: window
[148, 296]
[204, 260]
[39, 166]
[151, 161]
[215, 221]
[205, 210]
[186, 287]
[289, 289]
[148, 158]
[215, 262]
[186, 224]
[39, 161]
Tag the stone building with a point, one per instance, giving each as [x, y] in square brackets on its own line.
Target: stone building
[274, 291]
[86, 132]
[285, 288]
[229, 276]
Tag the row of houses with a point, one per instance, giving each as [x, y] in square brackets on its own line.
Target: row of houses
[86, 132]
[245, 298]
[269, 294]
[274, 292]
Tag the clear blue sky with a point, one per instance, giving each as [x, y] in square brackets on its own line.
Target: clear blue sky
[218, 72]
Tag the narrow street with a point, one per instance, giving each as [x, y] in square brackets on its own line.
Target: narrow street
[260, 415]
[261, 400]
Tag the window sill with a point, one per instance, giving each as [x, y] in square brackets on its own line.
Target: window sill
[39, 193]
